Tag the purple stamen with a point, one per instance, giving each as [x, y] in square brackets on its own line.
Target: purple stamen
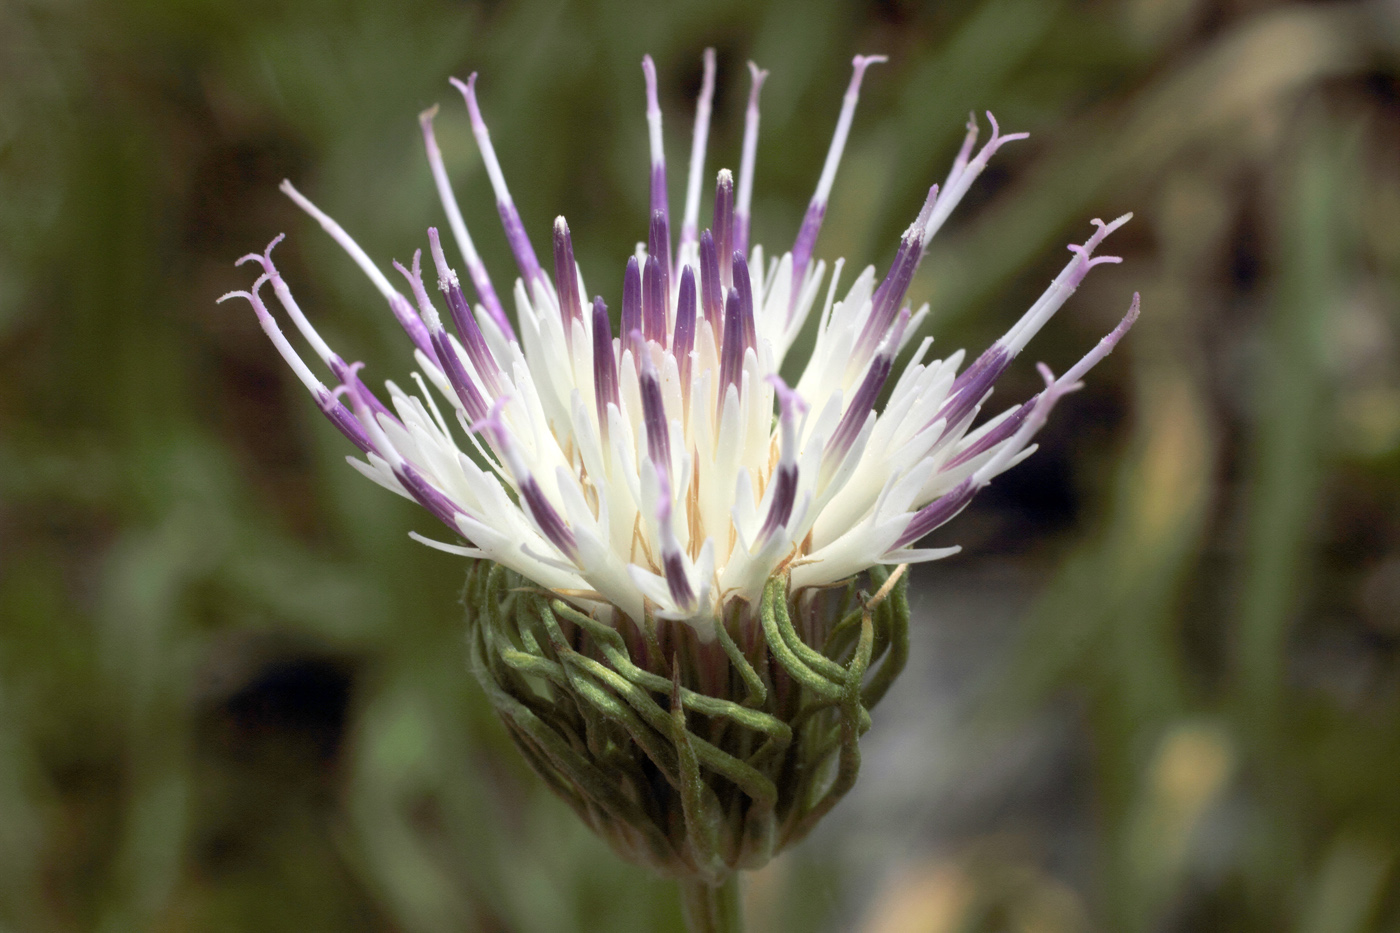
[657, 238]
[784, 496]
[344, 420]
[604, 364]
[566, 278]
[731, 355]
[443, 508]
[711, 291]
[658, 157]
[654, 302]
[724, 225]
[677, 581]
[891, 292]
[1003, 429]
[972, 385]
[744, 286]
[746, 163]
[685, 327]
[631, 296]
[862, 403]
[938, 512]
[462, 318]
[550, 522]
[510, 217]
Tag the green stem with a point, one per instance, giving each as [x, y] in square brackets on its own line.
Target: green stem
[712, 908]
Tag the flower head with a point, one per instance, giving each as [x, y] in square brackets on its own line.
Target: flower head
[665, 469]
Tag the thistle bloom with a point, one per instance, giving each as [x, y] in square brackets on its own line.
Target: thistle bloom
[644, 469]
[668, 539]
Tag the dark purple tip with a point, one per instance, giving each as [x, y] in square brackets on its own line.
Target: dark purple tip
[550, 522]
[744, 286]
[888, 297]
[1004, 429]
[685, 327]
[711, 290]
[724, 224]
[604, 363]
[780, 509]
[456, 374]
[654, 416]
[654, 302]
[428, 496]
[566, 277]
[938, 512]
[731, 354]
[972, 384]
[344, 420]
[862, 403]
[677, 582]
[632, 297]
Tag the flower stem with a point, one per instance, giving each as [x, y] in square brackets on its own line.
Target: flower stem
[712, 908]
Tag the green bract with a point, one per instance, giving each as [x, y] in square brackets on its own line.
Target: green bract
[696, 759]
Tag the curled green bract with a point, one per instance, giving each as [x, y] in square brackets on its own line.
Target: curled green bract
[696, 758]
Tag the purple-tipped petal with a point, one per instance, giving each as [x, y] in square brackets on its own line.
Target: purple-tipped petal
[604, 364]
[631, 297]
[685, 327]
[723, 225]
[566, 277]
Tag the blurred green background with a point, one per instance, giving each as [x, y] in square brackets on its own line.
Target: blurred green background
[1160, 689]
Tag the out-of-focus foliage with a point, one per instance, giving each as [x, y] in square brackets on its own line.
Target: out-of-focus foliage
[233, 694]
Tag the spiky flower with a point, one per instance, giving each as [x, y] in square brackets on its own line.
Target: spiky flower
[662, 472]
